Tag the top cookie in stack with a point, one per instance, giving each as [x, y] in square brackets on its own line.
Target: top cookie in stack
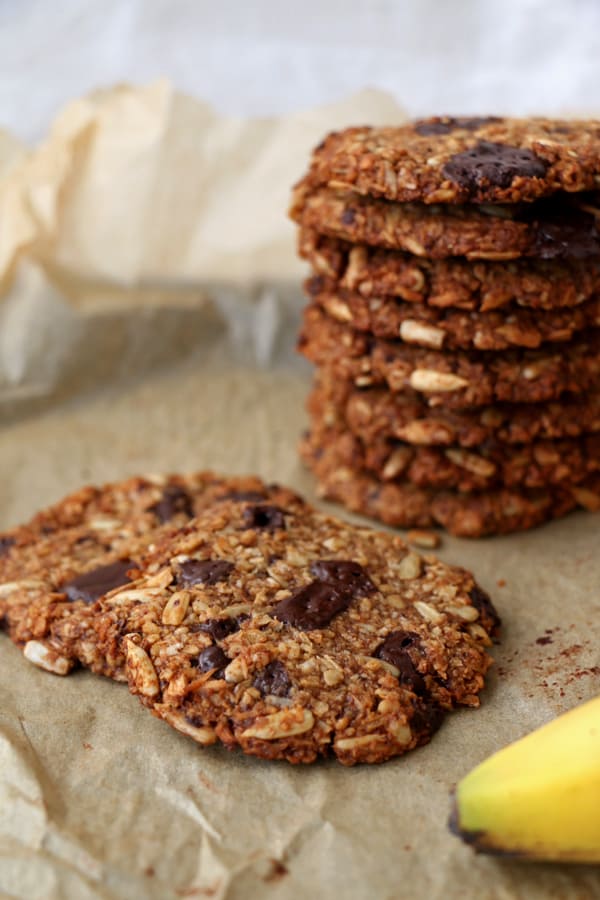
[454, 320]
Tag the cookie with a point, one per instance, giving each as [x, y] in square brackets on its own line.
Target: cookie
[405, 505]
[478, 286]
[376, 412]
[55, 567]
[537, 465]
[294, 635]
[551, 230]
[454, 380]
[389, 318]
[459, 160]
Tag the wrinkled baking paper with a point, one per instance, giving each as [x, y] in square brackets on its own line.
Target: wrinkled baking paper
[150, 306]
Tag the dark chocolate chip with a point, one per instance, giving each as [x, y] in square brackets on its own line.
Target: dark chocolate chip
[91, 585]
[244, 496]
[448, 124]
[213, 658]
[348, 217]
[346, 574]
[313, 606]
[195, 720]
[315, 285]
[273, 679]
[427, 717]
[394, 650]
[481, 601]
[203, 571]
[494, 164]
[566, 232]
[219, 628]
[265, 518]
[174, 501]
[5, 544]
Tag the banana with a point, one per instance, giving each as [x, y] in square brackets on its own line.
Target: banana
[538, 798]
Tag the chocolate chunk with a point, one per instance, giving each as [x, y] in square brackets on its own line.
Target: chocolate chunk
[448, 124]
[313, 606]
[174, 501]
[219, 628]
[345, 574]
[427, 717]
[5, 545]
[348, 217]
[394, 650]
[273, 679]
[481, 601]
[565, 232]
[244, 496]
[494, 164]
[213, 658]
[91, 585]
[203, 571]
[265, 518]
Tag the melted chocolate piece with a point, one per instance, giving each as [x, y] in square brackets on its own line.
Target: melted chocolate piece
[563, 231]
[213, 658]
[448, 124]
[264, 517]
[5, 544]
[313, 606]
[203, 571]
[173, 501]
[495, 164]
[348, 217]
[345, 574]
[273, 679]
[427, 717]
[219, 628]
[91, 585]
[481, 601]
[394, 650]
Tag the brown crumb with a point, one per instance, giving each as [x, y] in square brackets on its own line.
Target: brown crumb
[277, 871]
[501, 582]
[87, 746]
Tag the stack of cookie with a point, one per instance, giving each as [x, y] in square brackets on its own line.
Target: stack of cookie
[454, 320]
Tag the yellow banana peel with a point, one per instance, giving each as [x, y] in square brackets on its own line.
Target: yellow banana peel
[538, 798]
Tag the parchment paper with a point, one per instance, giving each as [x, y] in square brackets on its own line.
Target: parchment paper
[97, 798]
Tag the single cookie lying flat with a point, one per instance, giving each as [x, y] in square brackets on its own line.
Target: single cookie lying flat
[458, 160]
[537, 465]
[405, 505]
[292, 634]
[480, 286]
[387, 317]
[552, 229]
[456, 380]
[55, 567]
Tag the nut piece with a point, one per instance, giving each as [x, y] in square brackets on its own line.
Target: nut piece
[431, 380]
[471, 462]
[176, 608]
[141, 670]
[337, 309]
[44, 657]
[202, 734]
[396, 463]
[428, 612]
[409, 567]
[427, 539]
[282, 724]
[466, 613]
[26, 585]
[414, 332]
[401, 732]
[425, 431]
[357, 742]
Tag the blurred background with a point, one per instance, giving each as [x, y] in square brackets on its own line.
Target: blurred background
[269, 56]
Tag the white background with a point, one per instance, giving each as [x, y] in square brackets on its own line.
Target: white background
[269, 56]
